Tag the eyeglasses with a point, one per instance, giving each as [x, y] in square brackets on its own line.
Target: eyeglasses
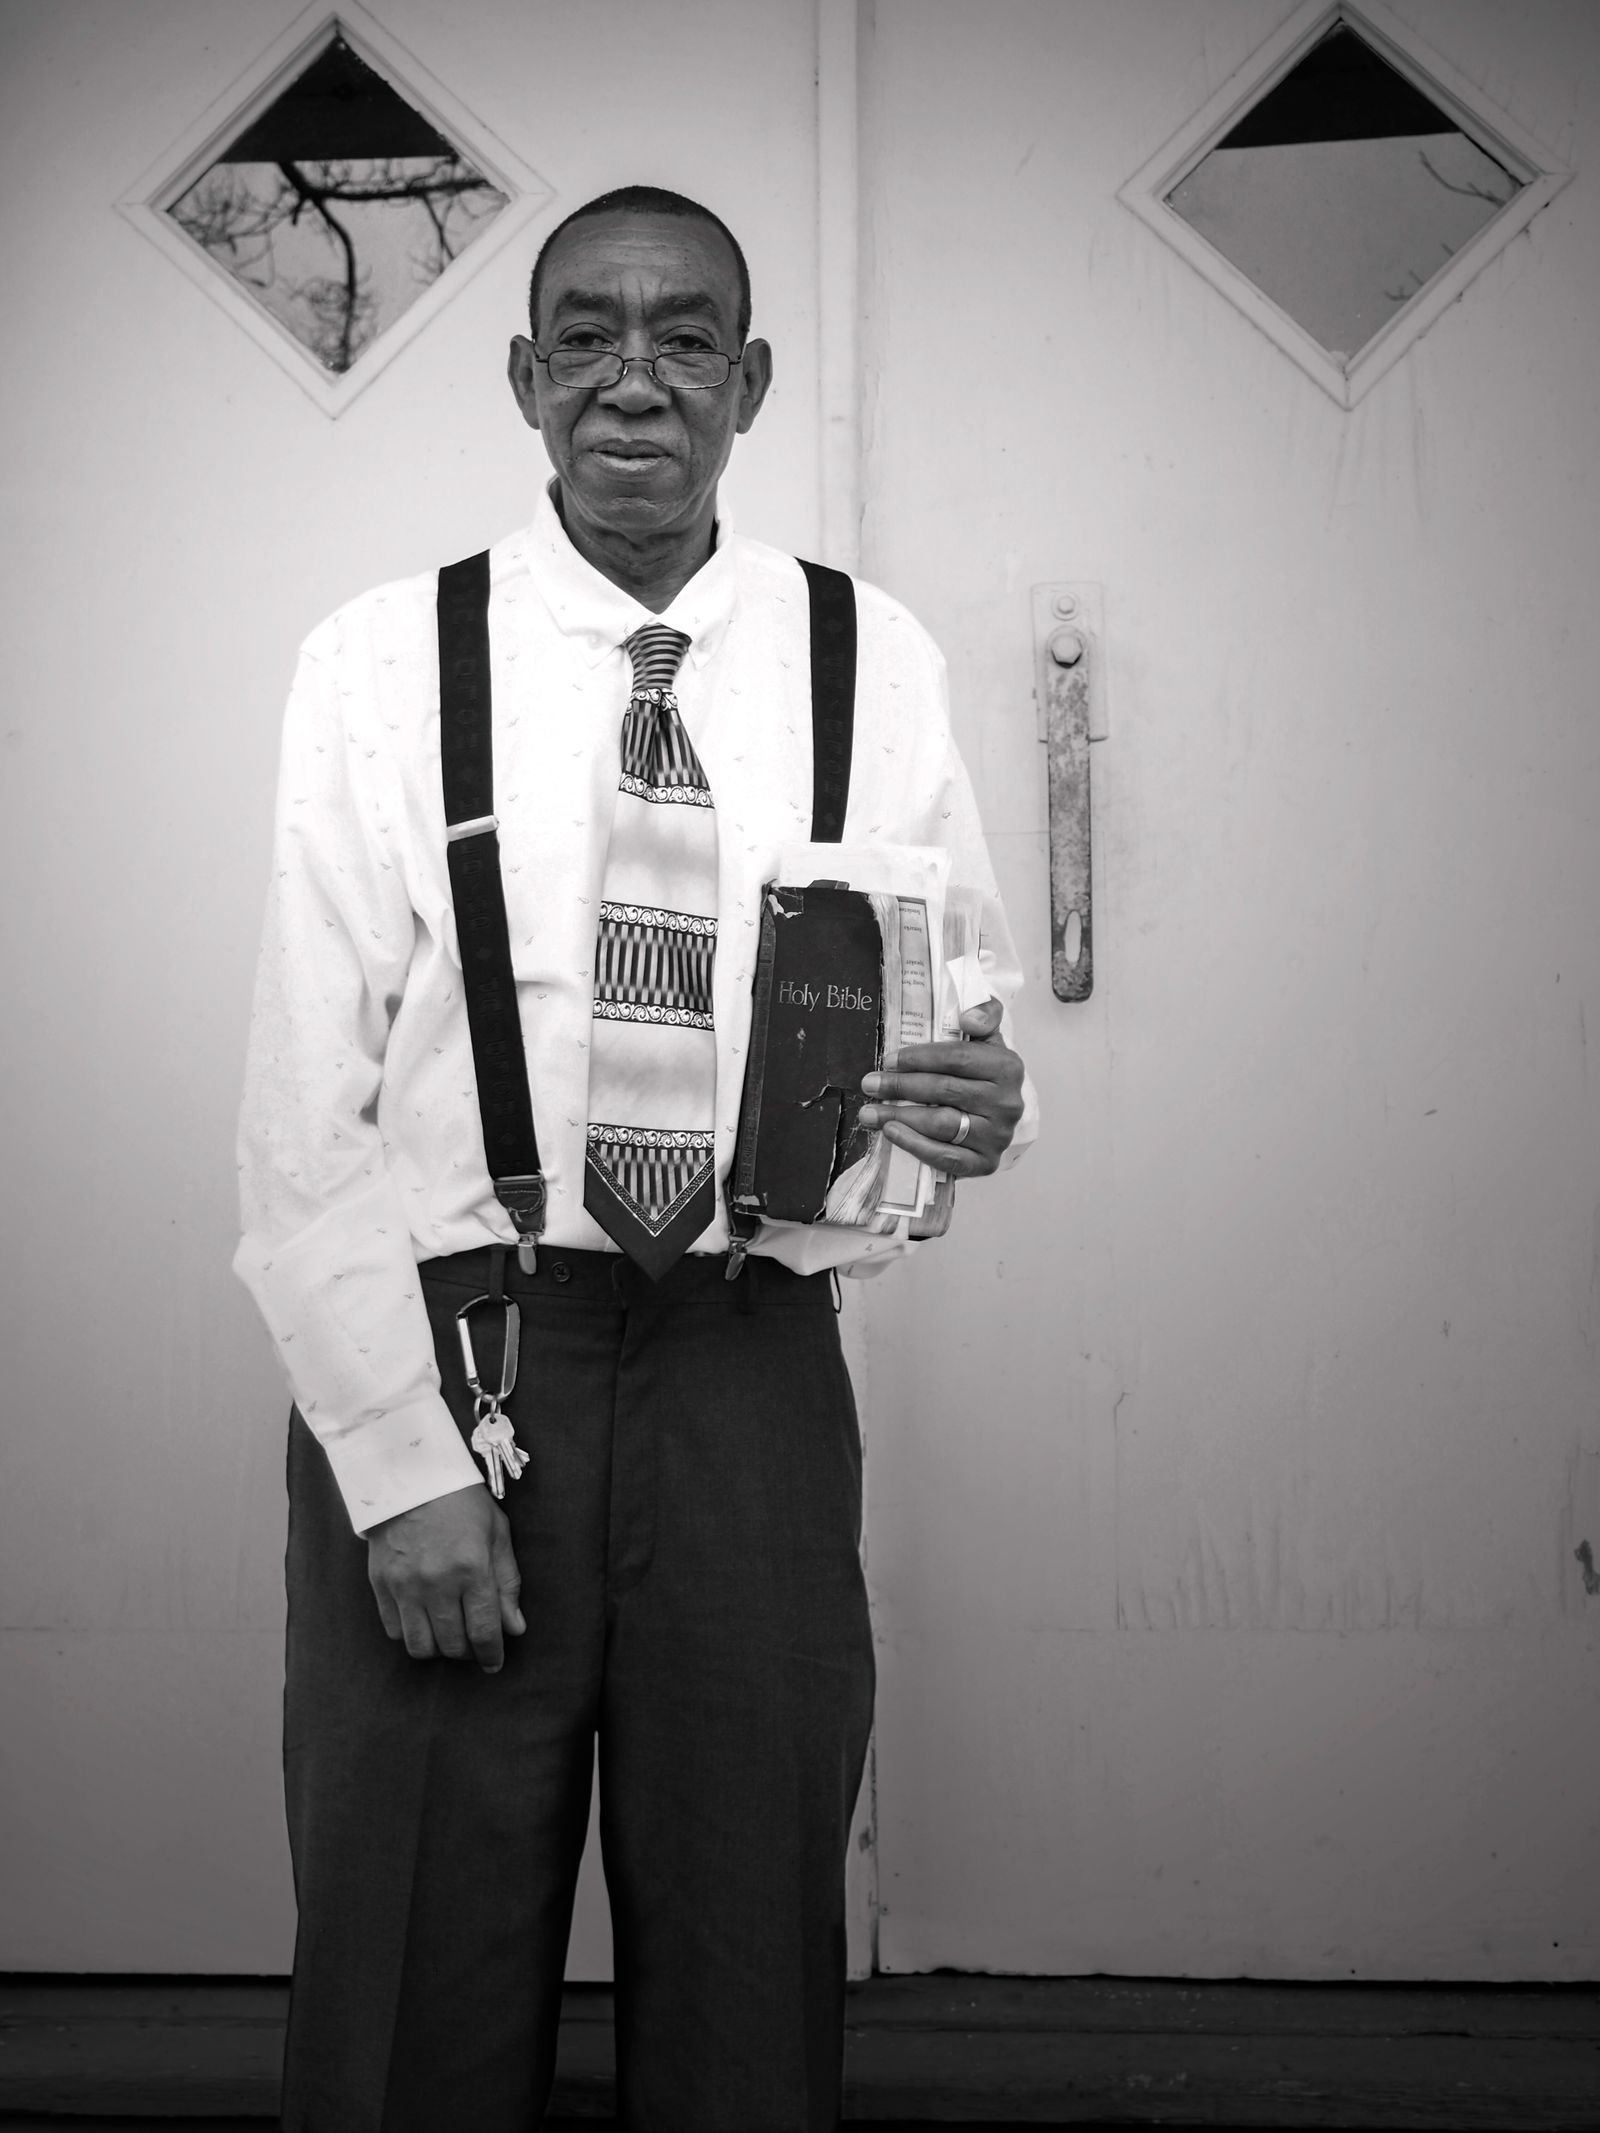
[684, 370]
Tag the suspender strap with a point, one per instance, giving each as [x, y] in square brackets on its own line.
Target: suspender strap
[833, 697]
[466, 755]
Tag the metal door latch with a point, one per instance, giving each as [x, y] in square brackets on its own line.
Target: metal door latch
[1069, 690]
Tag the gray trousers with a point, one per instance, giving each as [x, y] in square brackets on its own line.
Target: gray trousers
[688, 1536]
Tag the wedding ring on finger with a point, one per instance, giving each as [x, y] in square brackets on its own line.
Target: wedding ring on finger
[962, 1130]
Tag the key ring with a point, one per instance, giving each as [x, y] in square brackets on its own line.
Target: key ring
[492, 1437]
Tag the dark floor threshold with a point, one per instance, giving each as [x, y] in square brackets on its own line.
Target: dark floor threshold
[920, 2051]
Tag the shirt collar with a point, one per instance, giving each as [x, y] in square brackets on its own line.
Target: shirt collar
[601, 616]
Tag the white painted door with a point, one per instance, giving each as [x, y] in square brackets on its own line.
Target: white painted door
[181, 513]
[1232, 1462]
[1228, 1465]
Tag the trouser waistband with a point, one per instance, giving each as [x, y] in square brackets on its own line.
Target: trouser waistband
[567, 1271]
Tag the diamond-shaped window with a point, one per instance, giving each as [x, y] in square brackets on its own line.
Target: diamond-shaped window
[1342, 190]
[338, 206]
[339, 191]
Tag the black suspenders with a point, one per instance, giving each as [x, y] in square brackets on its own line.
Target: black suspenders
[833, 697]
[466, 756]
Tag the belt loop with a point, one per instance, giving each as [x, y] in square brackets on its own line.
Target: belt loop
[497, 1273]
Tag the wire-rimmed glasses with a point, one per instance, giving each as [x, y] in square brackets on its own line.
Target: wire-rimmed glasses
[686, 370]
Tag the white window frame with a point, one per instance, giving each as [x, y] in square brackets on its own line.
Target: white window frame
[1499, 135]
[145, 205]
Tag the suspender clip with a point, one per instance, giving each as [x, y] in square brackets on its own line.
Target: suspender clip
[523, 1200]
[743, 1223]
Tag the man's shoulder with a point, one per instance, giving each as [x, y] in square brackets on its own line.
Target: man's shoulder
[392, 613]
[775, 573]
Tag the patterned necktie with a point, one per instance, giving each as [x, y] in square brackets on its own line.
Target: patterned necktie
[649, 1177]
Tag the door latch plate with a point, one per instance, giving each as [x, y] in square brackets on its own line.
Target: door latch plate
[1069, 690]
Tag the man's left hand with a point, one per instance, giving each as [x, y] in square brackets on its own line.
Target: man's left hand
[921, 1101]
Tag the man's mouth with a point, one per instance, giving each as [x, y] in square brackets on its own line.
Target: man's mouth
[636, 457]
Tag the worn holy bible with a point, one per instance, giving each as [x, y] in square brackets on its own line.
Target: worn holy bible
[845, 977]
[816, 1027]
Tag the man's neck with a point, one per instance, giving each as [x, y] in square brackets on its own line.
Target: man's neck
[656, 570]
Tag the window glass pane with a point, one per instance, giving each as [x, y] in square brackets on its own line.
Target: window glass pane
[1342, 192]
[337, 206]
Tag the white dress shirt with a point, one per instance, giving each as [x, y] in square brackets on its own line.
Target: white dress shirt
[360, 1149]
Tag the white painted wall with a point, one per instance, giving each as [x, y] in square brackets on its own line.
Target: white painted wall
[1223, 1502]
[181, 515]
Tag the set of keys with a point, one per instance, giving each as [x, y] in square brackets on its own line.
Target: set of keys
[493, 1438]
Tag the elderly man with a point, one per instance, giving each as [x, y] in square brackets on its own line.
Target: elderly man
[668, 1561]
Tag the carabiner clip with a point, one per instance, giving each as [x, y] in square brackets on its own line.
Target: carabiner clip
[492, 1437]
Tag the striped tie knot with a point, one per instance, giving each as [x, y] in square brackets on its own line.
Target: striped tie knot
[657, 653]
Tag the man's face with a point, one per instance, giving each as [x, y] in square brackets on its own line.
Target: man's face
[637, 458]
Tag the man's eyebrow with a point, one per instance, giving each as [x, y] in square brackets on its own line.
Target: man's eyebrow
[584, 300]
[689, 300]
[674, 301]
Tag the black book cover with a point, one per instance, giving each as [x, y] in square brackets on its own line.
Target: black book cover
[816, 1028]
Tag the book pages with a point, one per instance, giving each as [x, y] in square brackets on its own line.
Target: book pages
[907, 1181]
[964, 985]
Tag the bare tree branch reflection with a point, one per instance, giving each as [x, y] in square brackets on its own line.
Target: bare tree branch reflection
[239, 211]
[1471, 191]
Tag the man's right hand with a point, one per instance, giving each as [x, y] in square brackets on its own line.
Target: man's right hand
[446, 1580]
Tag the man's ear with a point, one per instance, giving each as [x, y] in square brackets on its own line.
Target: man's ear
[755, 368]
[522, 369]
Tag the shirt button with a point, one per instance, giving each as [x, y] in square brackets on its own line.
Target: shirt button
[560, 1271]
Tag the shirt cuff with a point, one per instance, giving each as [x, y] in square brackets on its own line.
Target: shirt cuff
[391, 1462]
